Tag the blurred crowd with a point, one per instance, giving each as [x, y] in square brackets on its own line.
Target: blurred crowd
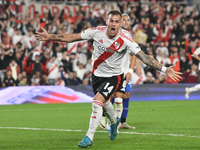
[167, 31]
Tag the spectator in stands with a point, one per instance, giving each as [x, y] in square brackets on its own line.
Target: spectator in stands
[184, 60]
[52, 67]
[58, 79]
[23, 82]
[35, 66]
[44, 80]
[191, 76]
[4, 61]
[19, 56]
[15, 69]
[36, 79]
[65, 62]
[6, 43]
[79, 68]
[149, 78]
[8, 80]
[17, 37]
[77, 79]
[19, 78]
[71, 80]
[58, 52]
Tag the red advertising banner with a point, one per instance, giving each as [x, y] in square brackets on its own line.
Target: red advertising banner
[42, 8]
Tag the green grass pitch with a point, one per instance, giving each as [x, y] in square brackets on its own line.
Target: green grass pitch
[160, 125]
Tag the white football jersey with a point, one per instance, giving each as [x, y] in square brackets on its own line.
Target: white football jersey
[108, 53]
[126, 62]
[197, 51]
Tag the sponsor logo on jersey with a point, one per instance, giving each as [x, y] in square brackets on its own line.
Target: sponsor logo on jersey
[108, 49]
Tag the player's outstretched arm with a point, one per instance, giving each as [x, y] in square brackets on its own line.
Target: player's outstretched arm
[148, 60]
[69, 37]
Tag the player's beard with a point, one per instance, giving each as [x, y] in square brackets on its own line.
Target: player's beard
[123, 28]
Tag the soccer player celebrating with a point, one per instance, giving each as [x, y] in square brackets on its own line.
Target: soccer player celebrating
[110, 44]
[197, 87]
[123, 93]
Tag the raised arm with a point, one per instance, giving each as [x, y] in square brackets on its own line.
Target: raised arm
[69, 37]
[148, 60]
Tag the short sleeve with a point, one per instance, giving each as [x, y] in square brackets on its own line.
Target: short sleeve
[88, 33]
[197, 51]
[133, 47]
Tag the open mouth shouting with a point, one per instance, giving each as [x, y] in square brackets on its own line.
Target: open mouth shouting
[112, 30]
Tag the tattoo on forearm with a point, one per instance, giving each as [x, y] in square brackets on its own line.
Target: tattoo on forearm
[54, 38]
[61, 36]
[148, 60]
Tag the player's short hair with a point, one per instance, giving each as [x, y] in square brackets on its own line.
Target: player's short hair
[115, 12]
[126, 15]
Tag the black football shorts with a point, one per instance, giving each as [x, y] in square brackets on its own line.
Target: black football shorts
[106, 86]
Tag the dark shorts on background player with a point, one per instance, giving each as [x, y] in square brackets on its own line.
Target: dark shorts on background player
[106, 86]
[122, 87]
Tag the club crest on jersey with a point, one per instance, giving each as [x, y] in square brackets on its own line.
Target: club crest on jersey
[117, 44]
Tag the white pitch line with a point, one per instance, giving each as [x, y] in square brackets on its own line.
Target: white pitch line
[77, 108]
[43, 109]
[69, 130]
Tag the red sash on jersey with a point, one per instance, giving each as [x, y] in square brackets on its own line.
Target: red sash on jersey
[139, 80]
[71, 49]
[53, 68]
[60, 81]
[107, 54]
[82, 44]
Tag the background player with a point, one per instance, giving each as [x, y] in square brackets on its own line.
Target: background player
[123, 124]
[110, 44]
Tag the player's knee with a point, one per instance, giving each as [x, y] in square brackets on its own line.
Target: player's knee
[118, 100]
[96, 104]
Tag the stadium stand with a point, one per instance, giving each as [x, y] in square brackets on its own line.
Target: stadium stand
[168, 31]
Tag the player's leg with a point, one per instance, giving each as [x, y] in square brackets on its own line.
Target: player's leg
[123, 124]
[113, 126]
[103, 88]
[118, 98]
[108, 106]
[102, 123]
[190, 90]
[95, 118]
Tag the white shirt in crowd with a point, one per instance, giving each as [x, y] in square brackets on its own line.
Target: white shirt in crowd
[52, 69]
